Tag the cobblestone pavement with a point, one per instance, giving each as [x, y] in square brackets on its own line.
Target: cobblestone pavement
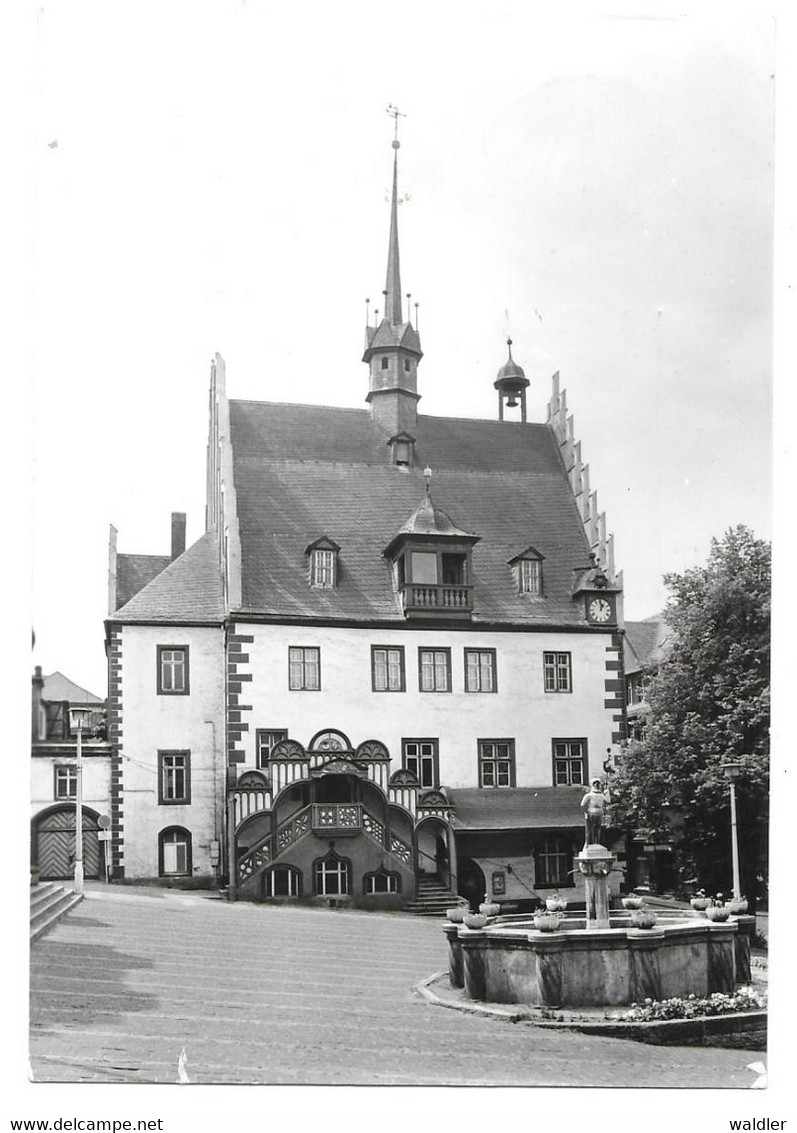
[264, 994]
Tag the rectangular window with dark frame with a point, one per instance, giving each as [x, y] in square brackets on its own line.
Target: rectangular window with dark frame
[496, 763]
[265, 740]
[421, 757]
[480, 674]
[558, 672]
[173, 670]
[569, 763]
[174, 777]
[65, 782]
[434, 670]
[387, 668]
[304, 668]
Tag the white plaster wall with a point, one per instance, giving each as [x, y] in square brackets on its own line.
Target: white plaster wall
[96, 781]
[519, 710]
[152, 722]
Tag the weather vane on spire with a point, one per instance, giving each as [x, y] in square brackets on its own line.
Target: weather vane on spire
[395, 114]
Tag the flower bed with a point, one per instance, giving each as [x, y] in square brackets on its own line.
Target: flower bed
[692, 1007]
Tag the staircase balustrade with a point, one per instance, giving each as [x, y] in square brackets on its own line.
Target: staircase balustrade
[326, 817]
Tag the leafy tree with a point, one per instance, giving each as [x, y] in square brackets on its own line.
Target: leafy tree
[708, 701]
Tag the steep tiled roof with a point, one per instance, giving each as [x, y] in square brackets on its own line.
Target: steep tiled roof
[134, 572]
[187, 590]
[525, 808]
[645, 643]
[304, 471]
[59, 687]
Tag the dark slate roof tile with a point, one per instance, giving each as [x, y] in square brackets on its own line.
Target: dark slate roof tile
[306, 471]
[134, 572]
[58, 687]
[526, 808]
[645, 643]
[189, 589]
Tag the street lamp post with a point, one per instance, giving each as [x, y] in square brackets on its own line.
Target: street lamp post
[732, 768]
[78, 717]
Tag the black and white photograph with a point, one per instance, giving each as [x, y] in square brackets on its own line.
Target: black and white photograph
[399, 502]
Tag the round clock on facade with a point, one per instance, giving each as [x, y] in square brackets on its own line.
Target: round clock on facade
[599, 610]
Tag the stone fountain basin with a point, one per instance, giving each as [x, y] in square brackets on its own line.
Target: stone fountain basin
[577, 966]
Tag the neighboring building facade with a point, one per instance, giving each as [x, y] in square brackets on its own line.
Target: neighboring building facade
[395, 655]
[644, 649]
[54, 777]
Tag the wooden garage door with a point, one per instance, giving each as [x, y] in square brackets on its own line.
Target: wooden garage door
[55, 844]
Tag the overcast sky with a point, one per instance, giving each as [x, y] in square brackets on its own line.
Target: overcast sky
[215, 177]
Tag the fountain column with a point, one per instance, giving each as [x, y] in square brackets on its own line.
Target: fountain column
[595, 862]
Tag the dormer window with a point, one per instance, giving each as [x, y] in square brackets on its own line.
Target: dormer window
[402, 447]
[323, 564]
[432, 563]
[527, 568]
[530, 576]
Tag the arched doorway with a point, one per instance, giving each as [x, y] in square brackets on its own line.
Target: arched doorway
[53, 843]
[433, 852]
[471, 882]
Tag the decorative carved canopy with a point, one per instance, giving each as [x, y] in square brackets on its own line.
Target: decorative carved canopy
[434, 799]
[337, 766]
[404, 778]
[372, 749]
[288, 749]
[252, 781]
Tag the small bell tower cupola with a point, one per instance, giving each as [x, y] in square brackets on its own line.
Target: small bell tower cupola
[511, 384]
[392, 345]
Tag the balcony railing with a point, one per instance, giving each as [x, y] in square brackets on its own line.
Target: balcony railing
[447, 598]
[343, 818]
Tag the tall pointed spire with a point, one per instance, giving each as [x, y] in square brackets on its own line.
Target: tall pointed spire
[392, 346]
[393, 309]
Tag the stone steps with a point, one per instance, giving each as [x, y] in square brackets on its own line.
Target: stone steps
[48, 903]
[432, 899]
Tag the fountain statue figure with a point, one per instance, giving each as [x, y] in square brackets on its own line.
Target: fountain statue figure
[594, 806]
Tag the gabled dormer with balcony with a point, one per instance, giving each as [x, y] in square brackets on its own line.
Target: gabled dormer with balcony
[431, 561]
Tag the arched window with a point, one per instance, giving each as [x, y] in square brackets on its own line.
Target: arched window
[331, 876]
[174, 852]
[283, 881]
[330, 740]
[553, 862]
[382, 881]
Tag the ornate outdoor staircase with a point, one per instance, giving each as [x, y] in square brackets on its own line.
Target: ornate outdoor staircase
[48, 903]
[340, 819]
[432, 898]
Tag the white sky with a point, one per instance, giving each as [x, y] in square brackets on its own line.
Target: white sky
[220, 182]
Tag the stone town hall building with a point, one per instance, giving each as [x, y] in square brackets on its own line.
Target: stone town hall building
[394, 656]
